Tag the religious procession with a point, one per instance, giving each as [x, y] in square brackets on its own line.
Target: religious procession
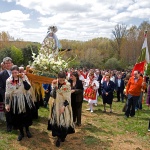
[48, 82]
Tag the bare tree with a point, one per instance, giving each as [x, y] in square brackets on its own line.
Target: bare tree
[132, 44]
[119, 33]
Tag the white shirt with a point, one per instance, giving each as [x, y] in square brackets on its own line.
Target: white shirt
[119, 82]
[81, 78]
[9, 72]
[112, 78]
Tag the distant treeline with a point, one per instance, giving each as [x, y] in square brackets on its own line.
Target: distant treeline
[119, 52]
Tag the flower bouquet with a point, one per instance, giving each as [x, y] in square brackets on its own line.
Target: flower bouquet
[49, 62]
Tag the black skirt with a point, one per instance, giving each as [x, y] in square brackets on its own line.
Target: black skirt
[59, 131]
[23, 119]
[107, 99]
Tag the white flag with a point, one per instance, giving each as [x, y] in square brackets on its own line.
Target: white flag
[146, 46]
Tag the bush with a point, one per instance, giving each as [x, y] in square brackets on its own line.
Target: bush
[6, 52]
[27, 53]
[19, 56]
[113, 63]
[16, 55]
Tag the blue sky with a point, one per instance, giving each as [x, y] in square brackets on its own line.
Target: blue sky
[75, 19]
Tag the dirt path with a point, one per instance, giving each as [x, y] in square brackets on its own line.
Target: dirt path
[99, 131]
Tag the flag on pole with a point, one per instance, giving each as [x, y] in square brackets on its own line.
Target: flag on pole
[143, 59]
[139, 67]
[144, 52]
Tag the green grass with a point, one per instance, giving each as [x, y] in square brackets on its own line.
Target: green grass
[98, 131]
[90, 140]
[115, 125]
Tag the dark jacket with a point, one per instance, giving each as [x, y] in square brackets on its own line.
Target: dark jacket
[108, 89]
[3, 77]
[122, 85]
[100, 78]
[78, 94]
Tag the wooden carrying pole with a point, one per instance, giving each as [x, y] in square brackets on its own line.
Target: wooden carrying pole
[39, 79]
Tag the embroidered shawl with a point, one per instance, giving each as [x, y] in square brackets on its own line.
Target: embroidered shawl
[18, 94]
[62, 94]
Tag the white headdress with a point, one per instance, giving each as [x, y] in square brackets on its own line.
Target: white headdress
[52, 29]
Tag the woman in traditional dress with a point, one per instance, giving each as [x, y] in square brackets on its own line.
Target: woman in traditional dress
[60, 118]
[107, 92]
[91, 86]
[19, 101]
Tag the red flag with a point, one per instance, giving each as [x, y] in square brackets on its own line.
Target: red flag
[139, 67]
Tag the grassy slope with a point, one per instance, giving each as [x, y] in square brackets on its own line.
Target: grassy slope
[98, 131]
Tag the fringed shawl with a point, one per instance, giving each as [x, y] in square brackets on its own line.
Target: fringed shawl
[16, 93]
[62, 94]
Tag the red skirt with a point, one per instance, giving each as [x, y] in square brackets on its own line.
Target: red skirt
[90, 93]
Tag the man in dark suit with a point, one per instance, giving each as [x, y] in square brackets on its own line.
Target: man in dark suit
[119, 82]
[4, 75]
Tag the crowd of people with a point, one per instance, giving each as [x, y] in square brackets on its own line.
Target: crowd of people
[20, 99]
